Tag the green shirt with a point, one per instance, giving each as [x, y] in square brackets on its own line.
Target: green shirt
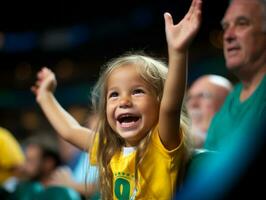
[236, 120]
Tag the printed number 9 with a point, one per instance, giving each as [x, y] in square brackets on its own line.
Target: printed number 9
[122, 189]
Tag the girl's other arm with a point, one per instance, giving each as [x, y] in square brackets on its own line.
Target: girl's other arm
[178, 37]
[65, 125]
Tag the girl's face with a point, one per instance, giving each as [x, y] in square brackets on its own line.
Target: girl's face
[132, 107]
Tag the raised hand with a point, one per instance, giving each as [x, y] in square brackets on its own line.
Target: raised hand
[46, 82]
[180, 35]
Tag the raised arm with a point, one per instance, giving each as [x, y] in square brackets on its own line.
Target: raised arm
[178, 37]
[65, 125]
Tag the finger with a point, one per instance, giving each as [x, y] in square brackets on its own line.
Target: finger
[191, 8]
[168, 20]
[46, 70]
[40, 75]
[38, 83]
[43, 72]
[199, 6]
[34, 90]
[195, 8]
[197, 11]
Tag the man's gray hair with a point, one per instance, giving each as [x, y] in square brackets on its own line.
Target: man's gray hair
[263, 12]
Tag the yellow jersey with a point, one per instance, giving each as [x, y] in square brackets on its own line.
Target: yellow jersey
[157, 174]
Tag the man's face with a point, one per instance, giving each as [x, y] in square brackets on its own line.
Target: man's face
[244, 39]
[32, 167]
[204, 99]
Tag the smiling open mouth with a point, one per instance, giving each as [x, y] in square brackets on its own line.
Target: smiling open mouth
[127, 120]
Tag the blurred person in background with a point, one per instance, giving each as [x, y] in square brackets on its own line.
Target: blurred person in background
[42, 158]
[77, 172]
[204, 99]
[11, 159]
[244, 41]
[236, 130]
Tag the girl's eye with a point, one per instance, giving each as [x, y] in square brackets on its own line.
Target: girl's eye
[138, 91]
[113, 94]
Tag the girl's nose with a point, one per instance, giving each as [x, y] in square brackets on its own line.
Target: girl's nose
[125, 102]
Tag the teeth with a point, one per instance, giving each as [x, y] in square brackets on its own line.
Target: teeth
[127, 119]
[127, 124]
[124, 115]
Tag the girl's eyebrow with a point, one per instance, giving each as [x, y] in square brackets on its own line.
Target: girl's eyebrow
[140, 85]
[112, 88]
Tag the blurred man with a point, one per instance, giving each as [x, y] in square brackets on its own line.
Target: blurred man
[204, 99]
[244, 40]
[237, 129]
[42, 159]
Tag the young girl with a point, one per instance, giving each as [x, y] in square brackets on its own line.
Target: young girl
[139, 144]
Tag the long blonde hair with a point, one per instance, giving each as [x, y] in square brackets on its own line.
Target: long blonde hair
[154, 72]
